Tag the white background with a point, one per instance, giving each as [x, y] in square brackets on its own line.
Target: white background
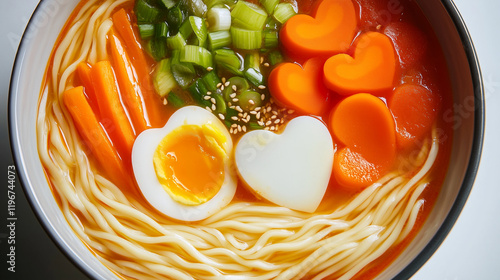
[472, 249]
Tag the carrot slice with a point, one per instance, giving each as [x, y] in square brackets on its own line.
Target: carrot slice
[130, 89]
[364, 124]
[415, 109]
[113, 115]
[330, 30]
[372, 69]
[93, 134]
[124, 28]
[83, 70]
[300, 88]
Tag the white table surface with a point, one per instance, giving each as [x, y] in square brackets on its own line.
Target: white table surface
[471, 250]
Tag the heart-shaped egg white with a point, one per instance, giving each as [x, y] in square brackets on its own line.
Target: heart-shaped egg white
[291, 169]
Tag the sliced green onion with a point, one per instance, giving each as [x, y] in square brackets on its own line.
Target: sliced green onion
[248, 16]
[146, 30]
[176, 42]
[197, 55]
[175, 17]
[161, 30]
[158, 48]
[220, 3]
[198, 91]
[254, 77]
[174, 100]
[211, 80]
[218, 19]
[200, 29]
[163, 79]
[249, 100]
[184, 73]
[269, 5]
[283, 12]
[240, 83]
[229, 60]
[145, 12]
[185, 29]
[275, 57]
[246, 39]
[255, 126]
[271, 39]
[168, 3]
[219, 39]
[252, 60]
[220, 104]
[271, 24]
[196, 7]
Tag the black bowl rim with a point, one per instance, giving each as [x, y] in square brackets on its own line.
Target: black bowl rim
[444, 229]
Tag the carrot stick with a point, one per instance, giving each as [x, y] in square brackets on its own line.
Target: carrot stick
[130, 89]
[113, 115]
[124, 28]
[364, 124]
[83, 70]
[93, 134]
[415, 109]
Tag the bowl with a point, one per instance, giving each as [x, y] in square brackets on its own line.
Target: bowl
[468, 123]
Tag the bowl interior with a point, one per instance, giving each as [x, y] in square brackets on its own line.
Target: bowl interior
[36, 46]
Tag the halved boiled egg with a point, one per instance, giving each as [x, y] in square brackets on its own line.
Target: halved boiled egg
[184, 169]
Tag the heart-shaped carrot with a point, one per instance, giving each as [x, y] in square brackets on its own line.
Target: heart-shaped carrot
[415, 109]
[301, 89]
[329, 30]
[372, 69]
[364, 124]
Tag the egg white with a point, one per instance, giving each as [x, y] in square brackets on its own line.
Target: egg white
[142, 162]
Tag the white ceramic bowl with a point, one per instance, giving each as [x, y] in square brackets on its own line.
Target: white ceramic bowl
[33, 54]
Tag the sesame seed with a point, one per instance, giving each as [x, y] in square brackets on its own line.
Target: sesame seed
[238, 108]
[222, 87]
[208, 109]
[210, 68]
[277, 121]
[268, 123]
[253, 112]
[269, 109]
[223, 80]
[244, 128]
[244, 120]
[234, 87]
[248, 118]
[231, 130]
[239, 128]
[209, 92]
[258, 115]
[219, 84]
[232, 95]
[212, 100]
[206, 97]
[213, 107]
[234, 125]
[227, 84]
[282, 120]
[251, 102]
[221, 116]
[262, 97]
[262, 87]
[234, 118]
[165, 101]
[275, 112]
[257, 108]
[235, 100]
[273, 117]
[261, 59]
[272, 128]
[245, 115]
[260, 123]
[266, 64]
[266, 128]
[291, 111]
[231, 106]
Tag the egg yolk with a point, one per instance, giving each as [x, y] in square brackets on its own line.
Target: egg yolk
[189, 163]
